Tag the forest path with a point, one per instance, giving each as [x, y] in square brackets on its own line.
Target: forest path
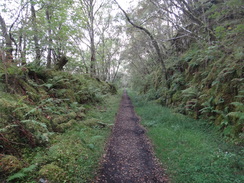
[129, 156]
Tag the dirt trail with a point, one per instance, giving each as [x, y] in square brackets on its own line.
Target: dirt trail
[129, 157]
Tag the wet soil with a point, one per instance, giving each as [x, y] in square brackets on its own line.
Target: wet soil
[129, 156]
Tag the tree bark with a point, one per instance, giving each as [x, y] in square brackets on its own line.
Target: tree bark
[35, 37]
[49, 50]
[8, 41]
[92, 39]
[22, 49]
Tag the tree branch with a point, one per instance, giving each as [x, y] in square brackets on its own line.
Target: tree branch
[153, 40]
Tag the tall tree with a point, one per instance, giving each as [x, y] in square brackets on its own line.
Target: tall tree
[153, 40]
[35, 36]
[88, 8]
[49, 33]
[8, 42]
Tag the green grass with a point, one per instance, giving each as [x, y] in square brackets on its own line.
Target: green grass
[74, 155]
[191, 151]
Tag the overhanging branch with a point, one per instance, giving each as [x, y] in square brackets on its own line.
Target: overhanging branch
[153, 40]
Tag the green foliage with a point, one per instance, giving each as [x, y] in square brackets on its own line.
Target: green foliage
[234, 3]
[191, 54]
[206, 79]
[45, 104]
[239, 54]
[71, 156]
[239, 29]
[208, 106]
[190, 92]
[220, 32]
[238, 105]
[22, 173]
[189, 150]
[78, 150]
[239, 115]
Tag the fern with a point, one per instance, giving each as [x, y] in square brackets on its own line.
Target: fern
[48, 85]
[35, 123]
[238, 105]
[207, 106]
[18, 175]
[207, 109]
[190, 92]
[6, 128]
[239, 115]
[31, 111]
[22, 173]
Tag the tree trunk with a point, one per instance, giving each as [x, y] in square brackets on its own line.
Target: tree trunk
[49, 51]
[35, 38]
[92, 40]
[8, 41]
[22, 49]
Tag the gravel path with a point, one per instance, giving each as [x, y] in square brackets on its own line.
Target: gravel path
[129, 157]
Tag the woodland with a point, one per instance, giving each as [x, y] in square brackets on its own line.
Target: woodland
[64, 63]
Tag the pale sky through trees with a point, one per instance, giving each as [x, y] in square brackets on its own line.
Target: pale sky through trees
[12, 11]
[127, 3]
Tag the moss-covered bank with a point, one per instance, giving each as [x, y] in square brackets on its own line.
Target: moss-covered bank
[37, 106]
[206, 80]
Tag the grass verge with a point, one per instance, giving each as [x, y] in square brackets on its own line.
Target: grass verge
[72, 156]
[191, 151]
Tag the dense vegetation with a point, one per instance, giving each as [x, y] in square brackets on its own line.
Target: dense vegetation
[190, 150]
[203, 57]
[55, 65]
[47, 127]
[57, 58]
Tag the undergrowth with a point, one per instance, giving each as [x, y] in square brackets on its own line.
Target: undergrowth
[47, 129]
[191, 151]
[72, 156]
[204, 78]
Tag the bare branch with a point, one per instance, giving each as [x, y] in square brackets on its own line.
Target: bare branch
[153, 40]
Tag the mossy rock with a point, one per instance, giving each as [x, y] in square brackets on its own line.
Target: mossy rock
[63, 118]
[90, 122]
[80, 115]
[52, 173]
[93, 123]
[71, 115]
[66, 93]
[59, 120]
[31, 91]
[65, 126]
[82, 108]
[7, 107]
[46, 121]
[10, 164]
